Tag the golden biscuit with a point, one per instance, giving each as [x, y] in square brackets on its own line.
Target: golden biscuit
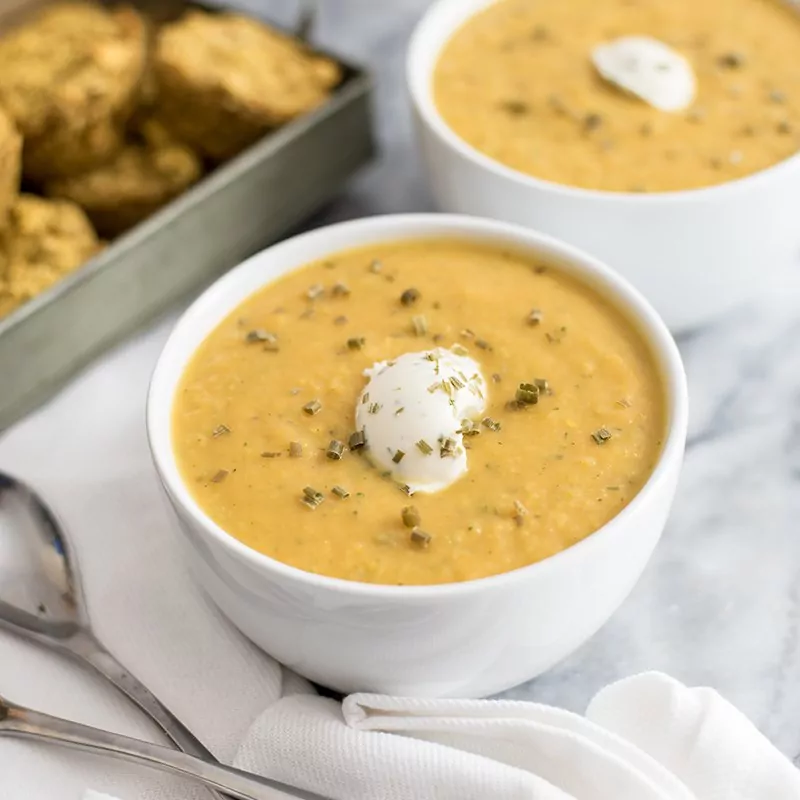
[148, 173]
[224, 80]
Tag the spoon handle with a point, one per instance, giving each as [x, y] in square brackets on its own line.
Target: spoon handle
[91, 652]
[29, 724]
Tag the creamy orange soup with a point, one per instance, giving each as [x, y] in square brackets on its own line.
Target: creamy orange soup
[517, 82]
[277, 382]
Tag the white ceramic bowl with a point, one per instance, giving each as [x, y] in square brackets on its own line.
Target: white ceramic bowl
[694, 254]
[465, 639]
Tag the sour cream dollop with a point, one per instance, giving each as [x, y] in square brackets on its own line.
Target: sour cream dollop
[412, 413]
[649, 69]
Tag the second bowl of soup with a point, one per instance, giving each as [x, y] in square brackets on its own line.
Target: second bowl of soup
[419, 454]
[693, 199]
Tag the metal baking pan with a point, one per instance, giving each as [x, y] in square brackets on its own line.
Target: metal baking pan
[239, 208]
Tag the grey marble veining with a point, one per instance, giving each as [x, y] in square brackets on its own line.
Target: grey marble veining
[720, 602]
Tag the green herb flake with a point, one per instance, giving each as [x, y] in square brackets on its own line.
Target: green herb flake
[459, 350]
[271, 454]
[424, 447]
[601, 435]
[312, 498]
[356, 342]
[357, 440]
[295, 449]
[410, 516]
[483, 344]
[220, 430]
[375, 266]
[315, 291]
[398, 456]
[399, 411]
[527, 394]
[409, 297]
[335, 450]
[374, 408]
[420, 538]
[340, 492]
[491, 424]
[419, 325]
[447, 448]
[312, 407]
[219, 476]
[534, 317]
[340, 290]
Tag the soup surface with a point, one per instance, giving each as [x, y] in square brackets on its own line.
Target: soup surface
[552, 473]
[517, 82]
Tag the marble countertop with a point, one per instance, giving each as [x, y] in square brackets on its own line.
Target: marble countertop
[720, 602]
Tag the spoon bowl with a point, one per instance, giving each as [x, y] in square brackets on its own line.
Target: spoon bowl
[40, 588]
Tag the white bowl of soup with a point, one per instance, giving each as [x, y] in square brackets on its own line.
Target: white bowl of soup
[538, 406]
[697, 208]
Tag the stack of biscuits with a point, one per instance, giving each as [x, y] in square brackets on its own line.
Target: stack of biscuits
[105, 117]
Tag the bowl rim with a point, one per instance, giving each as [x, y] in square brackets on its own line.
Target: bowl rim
[419, 80]
[401, 227]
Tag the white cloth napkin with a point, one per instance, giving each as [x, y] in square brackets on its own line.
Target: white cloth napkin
[647, 737]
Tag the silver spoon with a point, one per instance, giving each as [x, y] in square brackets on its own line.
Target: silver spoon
[24, 723]
[41, 600]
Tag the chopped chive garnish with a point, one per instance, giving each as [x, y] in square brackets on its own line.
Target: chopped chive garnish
[455, 382]
[542, 385]
[468, 428]
[375, 266]
[420, 538]
[410, 516]
[435, 386]
[731, 60]
[260, 335]
[357, 440]
[219, 476]
[400, 410]
[447, 448]
[374, 408]
[340, 290]
[424, 447]
[520, 512]
[601, 435]
[483, 344]
[312, 498]
[459, 350]
[315, 291]
[295, 449]
[340, 492]
[491, 424]
[365, 398]
[624, 403]
[468, 334]
[356, 342]
[312, 407]
[409, 297]
[335, 450]
[527, 394]
[270, 454]
[220, 430]
[398, 456]
[497, 377]
[419, 324]
[534, 317]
